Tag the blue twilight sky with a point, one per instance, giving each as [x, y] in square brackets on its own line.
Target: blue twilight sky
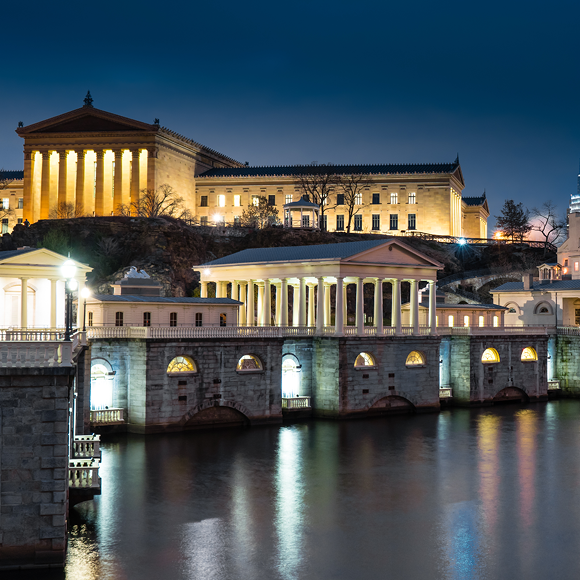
[342, 82]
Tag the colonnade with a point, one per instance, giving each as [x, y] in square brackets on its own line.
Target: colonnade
[305, 314]
[95, 181]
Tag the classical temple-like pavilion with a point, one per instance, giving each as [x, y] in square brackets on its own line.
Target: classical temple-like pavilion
[312, 271]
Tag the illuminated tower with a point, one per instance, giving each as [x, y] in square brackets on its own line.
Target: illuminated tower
[575, 198]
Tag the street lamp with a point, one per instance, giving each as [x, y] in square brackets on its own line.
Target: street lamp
[85, 293]
[68, 270]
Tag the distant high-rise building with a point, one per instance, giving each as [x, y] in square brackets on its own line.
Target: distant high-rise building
[575, 198]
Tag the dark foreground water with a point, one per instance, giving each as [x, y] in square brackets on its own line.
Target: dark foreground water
[491, 493]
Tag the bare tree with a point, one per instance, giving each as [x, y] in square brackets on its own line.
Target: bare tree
[164, 201]
[318, 183]
[63, 211]
[259, 215]
[547, 221]
[352, 187]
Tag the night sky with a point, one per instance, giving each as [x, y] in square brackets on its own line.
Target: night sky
[342, 82]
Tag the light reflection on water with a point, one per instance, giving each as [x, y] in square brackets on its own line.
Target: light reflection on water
[482, 494]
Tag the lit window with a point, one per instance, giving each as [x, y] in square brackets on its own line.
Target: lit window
[496, 321]
[146, 318]
[412, 225]
[394, 222]
[490, 355]
[223, 319]
[199, 319]
[437, 321]
[576, 266]
[358, 199]
[249, 362]
[221, 200]
[4, 225]
[256, 200]
[5, 203]
[305, 221]
[237, 200]
[415, 359]
[182, 364]
[466, 321]
[481, 321]
[118, 319]
[529, 354]
[450, 320]
[237, 220]
[376, 222]
[394, 196]
[173, 319]
[288, 198]
[412, 198]
[364, 359]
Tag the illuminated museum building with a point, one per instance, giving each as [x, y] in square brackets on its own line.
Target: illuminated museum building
[98, 160]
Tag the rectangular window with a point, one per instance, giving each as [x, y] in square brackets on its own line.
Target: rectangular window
[4, 225]
[566, 263]
[221, 199]
[146, 318]
[376, 222]
[237, 200]
[305, 221]
[203, 220]
[5, 203]
[90, 323]
[412, 225]
[203, 201]
[118, 319]
[256, 200]
[339, 223]
[271, 200]
[19, 220]
[394, 197]
[173, 319]
[20, 203]
[412, 198]
[324, 223]
[481, 321]
[450, 321]
[288, 198]
[466, 321]
[198, 319]
[236, 220]
[496, 321]
[340, 199]
[358, 199]
[223, 319]
[394, 222]
[358, 223]
[376, 198]
[576, 266]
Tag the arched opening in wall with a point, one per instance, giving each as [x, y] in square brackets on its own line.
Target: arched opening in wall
[12, 306]
[415, 359]
[529, 354]
[391, 405]
[490, 356]
[290, 376]
[364, 360]
[511, 395]
[249, 363]
[217, 416]
[181, 364]
[543, 308]
[512, 308]
[102, 377]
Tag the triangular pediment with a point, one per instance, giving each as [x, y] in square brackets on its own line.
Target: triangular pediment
[86, 120]
[458, 174]
[394, 252]
[38, 257]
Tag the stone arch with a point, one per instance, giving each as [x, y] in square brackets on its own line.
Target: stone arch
[102, 384]
[510, 395]
[249, 362]
[390, 404]
[291, 375]
[214, 413]
[512, 306]
[543, 308]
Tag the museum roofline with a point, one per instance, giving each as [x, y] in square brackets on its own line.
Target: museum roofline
[160, 299]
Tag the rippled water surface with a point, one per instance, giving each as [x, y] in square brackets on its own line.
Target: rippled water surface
[491, 493]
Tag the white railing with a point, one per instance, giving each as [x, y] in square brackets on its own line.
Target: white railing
[31, 334]
[86, 446]
[35, 354]
[477, 330]
[554, 385]
[107, 416]
[569, 330]
[445, 393]
[84, 474]
[295, 402]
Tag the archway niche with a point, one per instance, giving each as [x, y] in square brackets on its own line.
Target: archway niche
[217, 416]
[391, 404]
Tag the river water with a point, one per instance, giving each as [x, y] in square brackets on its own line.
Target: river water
[488, 493]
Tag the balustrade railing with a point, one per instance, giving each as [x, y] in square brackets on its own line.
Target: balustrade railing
[113, 416]
[84, 474]
[86, 446]
[445, 393]
[554, 385]
[295, 402]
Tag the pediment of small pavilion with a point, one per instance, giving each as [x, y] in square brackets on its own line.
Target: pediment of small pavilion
[394, 252]
[40, 258]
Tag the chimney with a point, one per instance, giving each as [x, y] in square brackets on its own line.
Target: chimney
[528, 280]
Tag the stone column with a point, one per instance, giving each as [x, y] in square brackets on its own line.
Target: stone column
[360, 321]
[327, 310]
[24, 303]
[433, 307]
[152, 153]
[80, 306]
[345, 304]
[278, 309]
[234, 290]
[378, 311]
[100, 183]
[414, 307]
[267, 303]
[320, 306]
[338, 309]
[118, 181]
[250, 304]
[45, 186]
[135, 171]
[81, 207]
[243, 299]
[310, 304]
[53, 303]
[261, 309]
[396, 307]
[218, 289]
[62, 178]
[302, 298]
[284, 302]
[295, 304]
[203, 292]
[27, 191]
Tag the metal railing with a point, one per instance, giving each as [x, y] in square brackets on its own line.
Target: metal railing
[113, 416]
[295, 402]
[84, 474]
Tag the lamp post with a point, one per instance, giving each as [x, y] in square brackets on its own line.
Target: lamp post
[85, 293]
[68, 271]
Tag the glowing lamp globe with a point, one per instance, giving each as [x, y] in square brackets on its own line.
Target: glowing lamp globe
[85, 292]
[68, 269]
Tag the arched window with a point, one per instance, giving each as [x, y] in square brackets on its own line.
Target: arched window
[364, 360]
[490, 355]
[512, 308]
[543, 308]
[529, 354]
[182, 364]
[290, 377]
[415, 359]
[249, 362]
[101, 386]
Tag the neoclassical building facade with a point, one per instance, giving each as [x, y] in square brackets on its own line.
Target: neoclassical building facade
[97, 161]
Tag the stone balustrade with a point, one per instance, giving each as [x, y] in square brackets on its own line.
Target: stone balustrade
[295, 402]
[445, 393]
[86, 446]
[111, 416]
[84, 474]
